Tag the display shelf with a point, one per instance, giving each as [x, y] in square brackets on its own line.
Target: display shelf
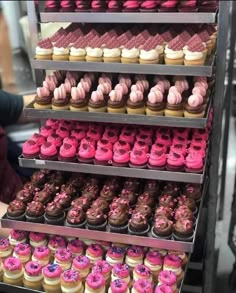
[6, 288]
[30, 111]
[205, 70]
[90, 17]
[114, 171]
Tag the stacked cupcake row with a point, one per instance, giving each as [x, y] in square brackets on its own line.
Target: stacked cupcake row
[61, 265]
[140, 94]
[120, 206]
[157, 148]
[131, 6]
[172, 46]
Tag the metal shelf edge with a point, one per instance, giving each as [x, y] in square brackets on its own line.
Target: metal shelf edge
[90, 17]
[205, 70]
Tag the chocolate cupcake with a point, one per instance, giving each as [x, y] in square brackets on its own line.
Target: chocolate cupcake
[54, 214]
[120, 202]
[108, 193]
[35, 212]
[83, 202]
[183, 212]
[51, 188]
[76, 218]
[193, 191]
[152, 187]
[63, 199]
[69, 189]
[166, 200]
[162, 228]
[57, 178]
[91, 191]
[77, 180]
[16, 210]
[114, 183]
[43, 196]
[183, 230]
[144, 209]
[166, 212]
[39, 179]
[118, 220]
[25, 196]
[130, 196]
[96, 220]
[101, 204]
[132, 184]
[183, 200]
[29, 186]
[138, 225]
[171, 188]
[146, 198]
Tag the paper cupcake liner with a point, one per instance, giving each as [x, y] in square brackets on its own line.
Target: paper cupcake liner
[59, 221]
[185, 239]
[121, 229]
[160, 237]
[81, 225]
[39, 219]
[101, 227]
[19, 218]
[138, 233]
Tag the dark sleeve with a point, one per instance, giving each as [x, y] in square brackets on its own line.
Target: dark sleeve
[11, 107]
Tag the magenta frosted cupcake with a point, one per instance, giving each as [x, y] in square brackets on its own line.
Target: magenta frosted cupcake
[56, 242]
[95, 282]
[13, 271]
[102, 267]
[23, 252]
[82, 265]
[33, 276]
[168, 278]
[67, 153]
[121, 272]
[55, 139]
[63, 257]
[76, 247]
[42, 255]
[142, 272]
[5, 249]
[71, 281]
[118, 286]
[52, 274]
[143, 285]
[30, 149]
[48, 151]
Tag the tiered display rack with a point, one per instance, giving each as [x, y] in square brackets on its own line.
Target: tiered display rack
[208, 204]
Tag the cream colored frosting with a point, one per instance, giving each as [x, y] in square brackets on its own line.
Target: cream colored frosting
[112, 261]
[111, 53]
[60, 51]
[133, 262]
[127, 280]
[41, 261]
[53, 282]
[93, 259]
[5, 253]
[153, 268]
[33, 278]
[94, 52]
[14, 242]
[77, 52]
[177, 271]
[149, 55]
[38, 244]
[174, 287]
[130, 53]
[102, 290]
[43, 51]
[171, 54]
[13, 275]
[193, 55]
[22, 258]
[109, 291]
[160, 49]
[64, 265]
[73, 289]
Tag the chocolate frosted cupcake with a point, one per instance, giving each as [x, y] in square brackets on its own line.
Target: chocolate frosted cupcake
[167, 201]
[69, 189]
[35, 212]
[108, 193]
[183, 200]
[146, 198]
[132, 184]
[118, 220]
[162, 228]
[152, 187]
[145, 210]
[54, 214]
[96, 220]
[101, 204]
[63, 199]
[121, 203]
[77, 180]
[29, 186]
[16, 210]
[43, 196]
[39, 179]
[171, 188]
[164, 212]
[130, 196]
[83, 202]
[25, 196]
[91, 191]
[57, 178]
[183, 212]
[76, 218]
[193, 191]
[51, 188]
[183, 230]
[138, 225]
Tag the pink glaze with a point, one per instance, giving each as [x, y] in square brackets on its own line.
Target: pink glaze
[12, 264]
[164, 289]
[136, 96]
[154, 257]
[18, 235]
[164, 139]
[43, 92]
[22, 249]
[121, 144]
[71, 140]
[86, 151]
[121, 156]
[200, 90]
[135, 251]
[122, 87]
[77, 93]
[201, 83]
[158, 147]
[167, 278]
[62, 132]
[46, 131]
[138, 157]
[48, 149]
[194, 161]
[41, 252]
[121, 270]
[95, 281]
[174, 98]
[110, 135]
[143, 285]
[75, 246]
[60, 93]
[67, 150]
[63, 254]
[39, 139]
[4, 244]
[155, 97]
[81, 262]
[105, 88]
[137, 87]
[118, 286]
[79, 134]
[55, 139]
[103, 154]
[157, 159]
[95, 250]
[172, 260]
[144, 138]
[195, 100]
[52, 271]
[94, 134]
[116, 252]
[175, 159]
[142, 271]
[159, 87]
[128, 137]
[97, 96]
[70, 276]
[104, 143]
[101, 267]
[141, 145]
[57, 242]
[116, 95]
[33, 269]
[30, 147]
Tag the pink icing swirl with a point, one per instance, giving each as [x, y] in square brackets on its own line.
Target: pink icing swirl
[85, 84]
[60, 92]
[43, 92]
[122, 87]
[105, 88]
[77, 93]
[174, 98]
[136, 96]
[175, 89]
[159, 87]
[95, 250]
[195, 100]
[155, 97]
[97, 96]
[116, 95]
[137, 87]
[121, 270]
[200, 90]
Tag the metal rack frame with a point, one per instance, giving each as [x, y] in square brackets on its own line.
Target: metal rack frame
[223, 18]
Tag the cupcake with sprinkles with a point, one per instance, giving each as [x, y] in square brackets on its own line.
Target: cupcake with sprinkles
[71, 282]
[118, 285]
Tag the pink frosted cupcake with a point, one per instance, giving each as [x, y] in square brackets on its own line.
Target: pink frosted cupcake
[5, 249]
[63, 132]
[63, 257]
[48, 151]
[155, 104]
[194, 107]
[66, 6]
[120, 158]
[134, 256]
[142, 285]
[30, 149]
[194, 163]
[78, 101]
[174, 106]
[23, 252]
[78, 134]
[51, 6]
[17, 236]
[97, 102]
[102, 267]
[103, 156]
[115, 255]
[138, 159]
[55, 139]
[118, 286]
[42, 255]
[121, 272]
[104, 143]
[148, 6]
[131, 6]
[168, 6]
[136, 103]
[13, 271]
[71, 281]
[60, 101]
[86, 153]
[157, 160]
[67, 153]
[82, 265]
[168, 278]
[164, 288]
[38, 138]
[95, 282]
[76, 247]
[33, 276]
[154, 262]
[173, 263]
[51, 275]
[175, 162]
[94, 252]
[56, 242]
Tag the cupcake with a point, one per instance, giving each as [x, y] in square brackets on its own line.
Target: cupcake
[142, 285]
[168, 6]
[115, 255]
[54, 214]
[138, 225]
[174, 106]
[142, 272]
[168, 278]
[167, 200]
[162, 228]
[149, 54]
[41, 255]
[164, 211]
[82, 202]
[193, 191]
[56, 242]
[51, 6]
[95, 282]
[35, 212]
[23, 252]
[154, 262]
[194, 53]
[63, 199]
[174, 52]
[17, 236]
[70, 280]
[5, 249]
[30, 149]
[25, 196]
[102, 267]
[173, 263]
[44, 50]
[78, 51]
[94, 252]
[63, 257]
[130, 6]
[82, 5]
[136, 103]
[134, 256]
[81, 264]
[183, 200]
[121, 272]
[183, 230]
[175, 162]
[43, 99]
[51, 275]
[144, 209]
[76, 218]
[148, 6]
[96, 220]
[33, 276]
[76, 247]
[155, 104]
[66, 6]
[118, 220]
[163, 288]
[13, 271]
[16, 210]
